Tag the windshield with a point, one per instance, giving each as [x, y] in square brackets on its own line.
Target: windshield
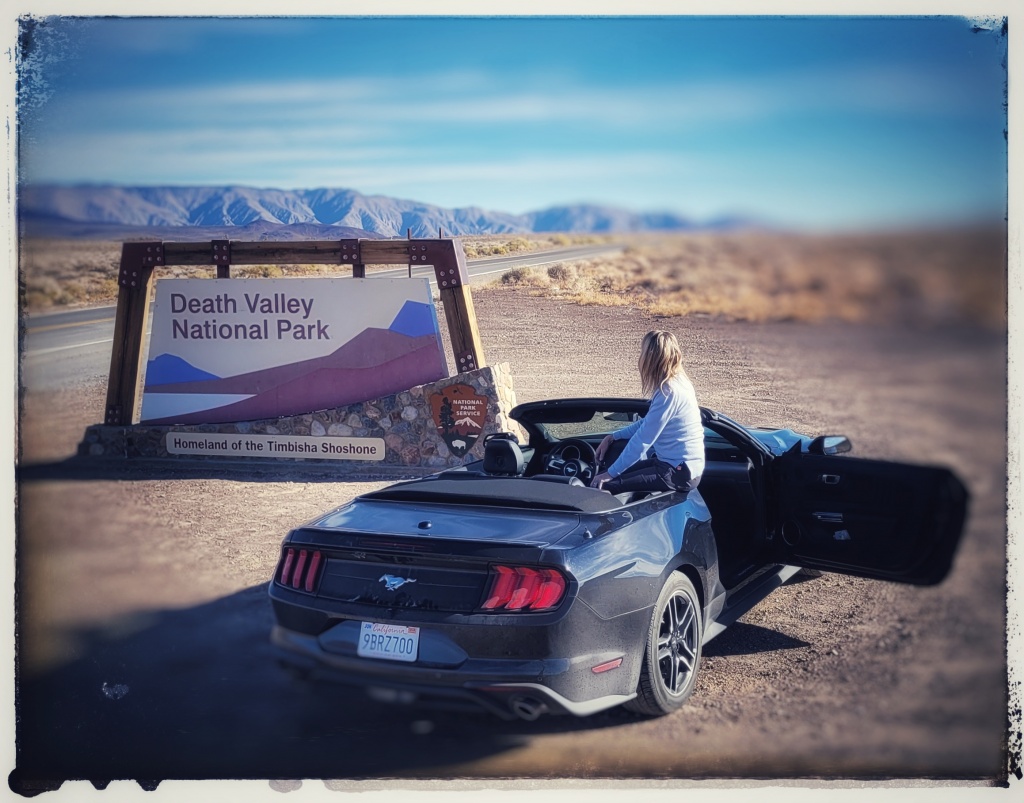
[601, 424]
[592, 418]
[598, 424]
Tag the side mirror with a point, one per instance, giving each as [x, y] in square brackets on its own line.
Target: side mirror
[829, 444]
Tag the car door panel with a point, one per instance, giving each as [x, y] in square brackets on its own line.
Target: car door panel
[871, 518]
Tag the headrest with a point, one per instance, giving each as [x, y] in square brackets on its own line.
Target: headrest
[503, 456]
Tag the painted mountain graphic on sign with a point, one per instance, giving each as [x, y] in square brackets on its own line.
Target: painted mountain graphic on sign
[375, 363]
[415, 319]
[169, 368]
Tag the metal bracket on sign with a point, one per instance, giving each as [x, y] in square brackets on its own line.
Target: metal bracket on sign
[139, 259]
[419, 254]
[221, 252]
[446, 277]
[113, 414]
[467, 362]
[349, 253]
[440, 255]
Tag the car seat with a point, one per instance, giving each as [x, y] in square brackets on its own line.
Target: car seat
[502, 455]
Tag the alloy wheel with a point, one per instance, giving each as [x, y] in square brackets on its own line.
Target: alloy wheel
[678, 643]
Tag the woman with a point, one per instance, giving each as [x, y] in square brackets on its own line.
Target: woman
[666, 448]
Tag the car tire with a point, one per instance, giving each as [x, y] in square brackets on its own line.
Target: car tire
[672, 652]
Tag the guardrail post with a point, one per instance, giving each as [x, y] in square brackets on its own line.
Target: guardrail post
[221, 257]
[349, 253]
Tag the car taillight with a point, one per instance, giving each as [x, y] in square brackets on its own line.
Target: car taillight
[522, 588]
[314, 564]
[299, 568]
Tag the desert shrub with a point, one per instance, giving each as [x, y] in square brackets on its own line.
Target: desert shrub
[515, 276]
[518, 244]
[561, 273]
[43, 291]
[299, 270]
[75, 292]
[524, 277]
[503, 244]
[259, 272]
[107, 289]
[36, 299]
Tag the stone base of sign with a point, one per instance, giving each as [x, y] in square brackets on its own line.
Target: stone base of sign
[404, 421]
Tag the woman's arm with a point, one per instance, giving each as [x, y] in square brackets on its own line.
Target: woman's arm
[645, 433]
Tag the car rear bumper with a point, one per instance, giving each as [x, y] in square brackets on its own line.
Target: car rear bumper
[507, 687]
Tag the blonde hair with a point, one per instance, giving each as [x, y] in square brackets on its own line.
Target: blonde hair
[661, 359]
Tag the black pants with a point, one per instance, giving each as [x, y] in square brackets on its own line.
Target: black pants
[652, 475]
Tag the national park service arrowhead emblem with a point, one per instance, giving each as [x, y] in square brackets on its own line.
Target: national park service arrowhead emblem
[459, 414]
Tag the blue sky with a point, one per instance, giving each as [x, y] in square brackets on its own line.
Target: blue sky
[814, 123]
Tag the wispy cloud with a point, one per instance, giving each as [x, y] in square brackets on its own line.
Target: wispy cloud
[461, 99]
[324, 157]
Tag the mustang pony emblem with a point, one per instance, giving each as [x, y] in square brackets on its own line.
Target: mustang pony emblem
[392, 583]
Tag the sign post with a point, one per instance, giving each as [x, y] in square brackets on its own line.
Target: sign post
[135, 278]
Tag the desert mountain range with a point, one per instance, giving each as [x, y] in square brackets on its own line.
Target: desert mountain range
[116, 212]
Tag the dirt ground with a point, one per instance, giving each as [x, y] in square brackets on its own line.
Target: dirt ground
[143, 614]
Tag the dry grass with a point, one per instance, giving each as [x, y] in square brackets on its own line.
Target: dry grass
[934, 277]
[504, 244]
[62, 273]
[68, 273]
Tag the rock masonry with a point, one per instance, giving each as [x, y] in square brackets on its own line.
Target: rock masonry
[404, 421]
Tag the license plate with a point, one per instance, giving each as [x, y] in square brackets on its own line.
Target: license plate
[391, 642]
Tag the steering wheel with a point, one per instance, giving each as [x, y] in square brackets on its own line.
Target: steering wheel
[572, 458]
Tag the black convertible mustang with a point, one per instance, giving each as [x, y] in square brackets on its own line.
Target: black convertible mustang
[509, 584]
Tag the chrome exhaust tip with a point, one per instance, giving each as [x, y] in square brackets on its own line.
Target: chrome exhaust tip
[527, 708]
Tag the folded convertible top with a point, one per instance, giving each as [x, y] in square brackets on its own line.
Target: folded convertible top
[463, 488]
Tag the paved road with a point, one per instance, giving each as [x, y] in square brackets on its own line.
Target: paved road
[63, 349]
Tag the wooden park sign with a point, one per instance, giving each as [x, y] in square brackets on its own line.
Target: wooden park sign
[140, 259]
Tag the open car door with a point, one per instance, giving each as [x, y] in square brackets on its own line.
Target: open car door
[887, 521]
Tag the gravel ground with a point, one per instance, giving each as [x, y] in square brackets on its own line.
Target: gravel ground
[155, 583]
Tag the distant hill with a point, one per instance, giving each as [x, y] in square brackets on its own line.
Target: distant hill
[170, 213]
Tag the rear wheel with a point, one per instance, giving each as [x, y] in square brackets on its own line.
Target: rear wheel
[672, 654]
